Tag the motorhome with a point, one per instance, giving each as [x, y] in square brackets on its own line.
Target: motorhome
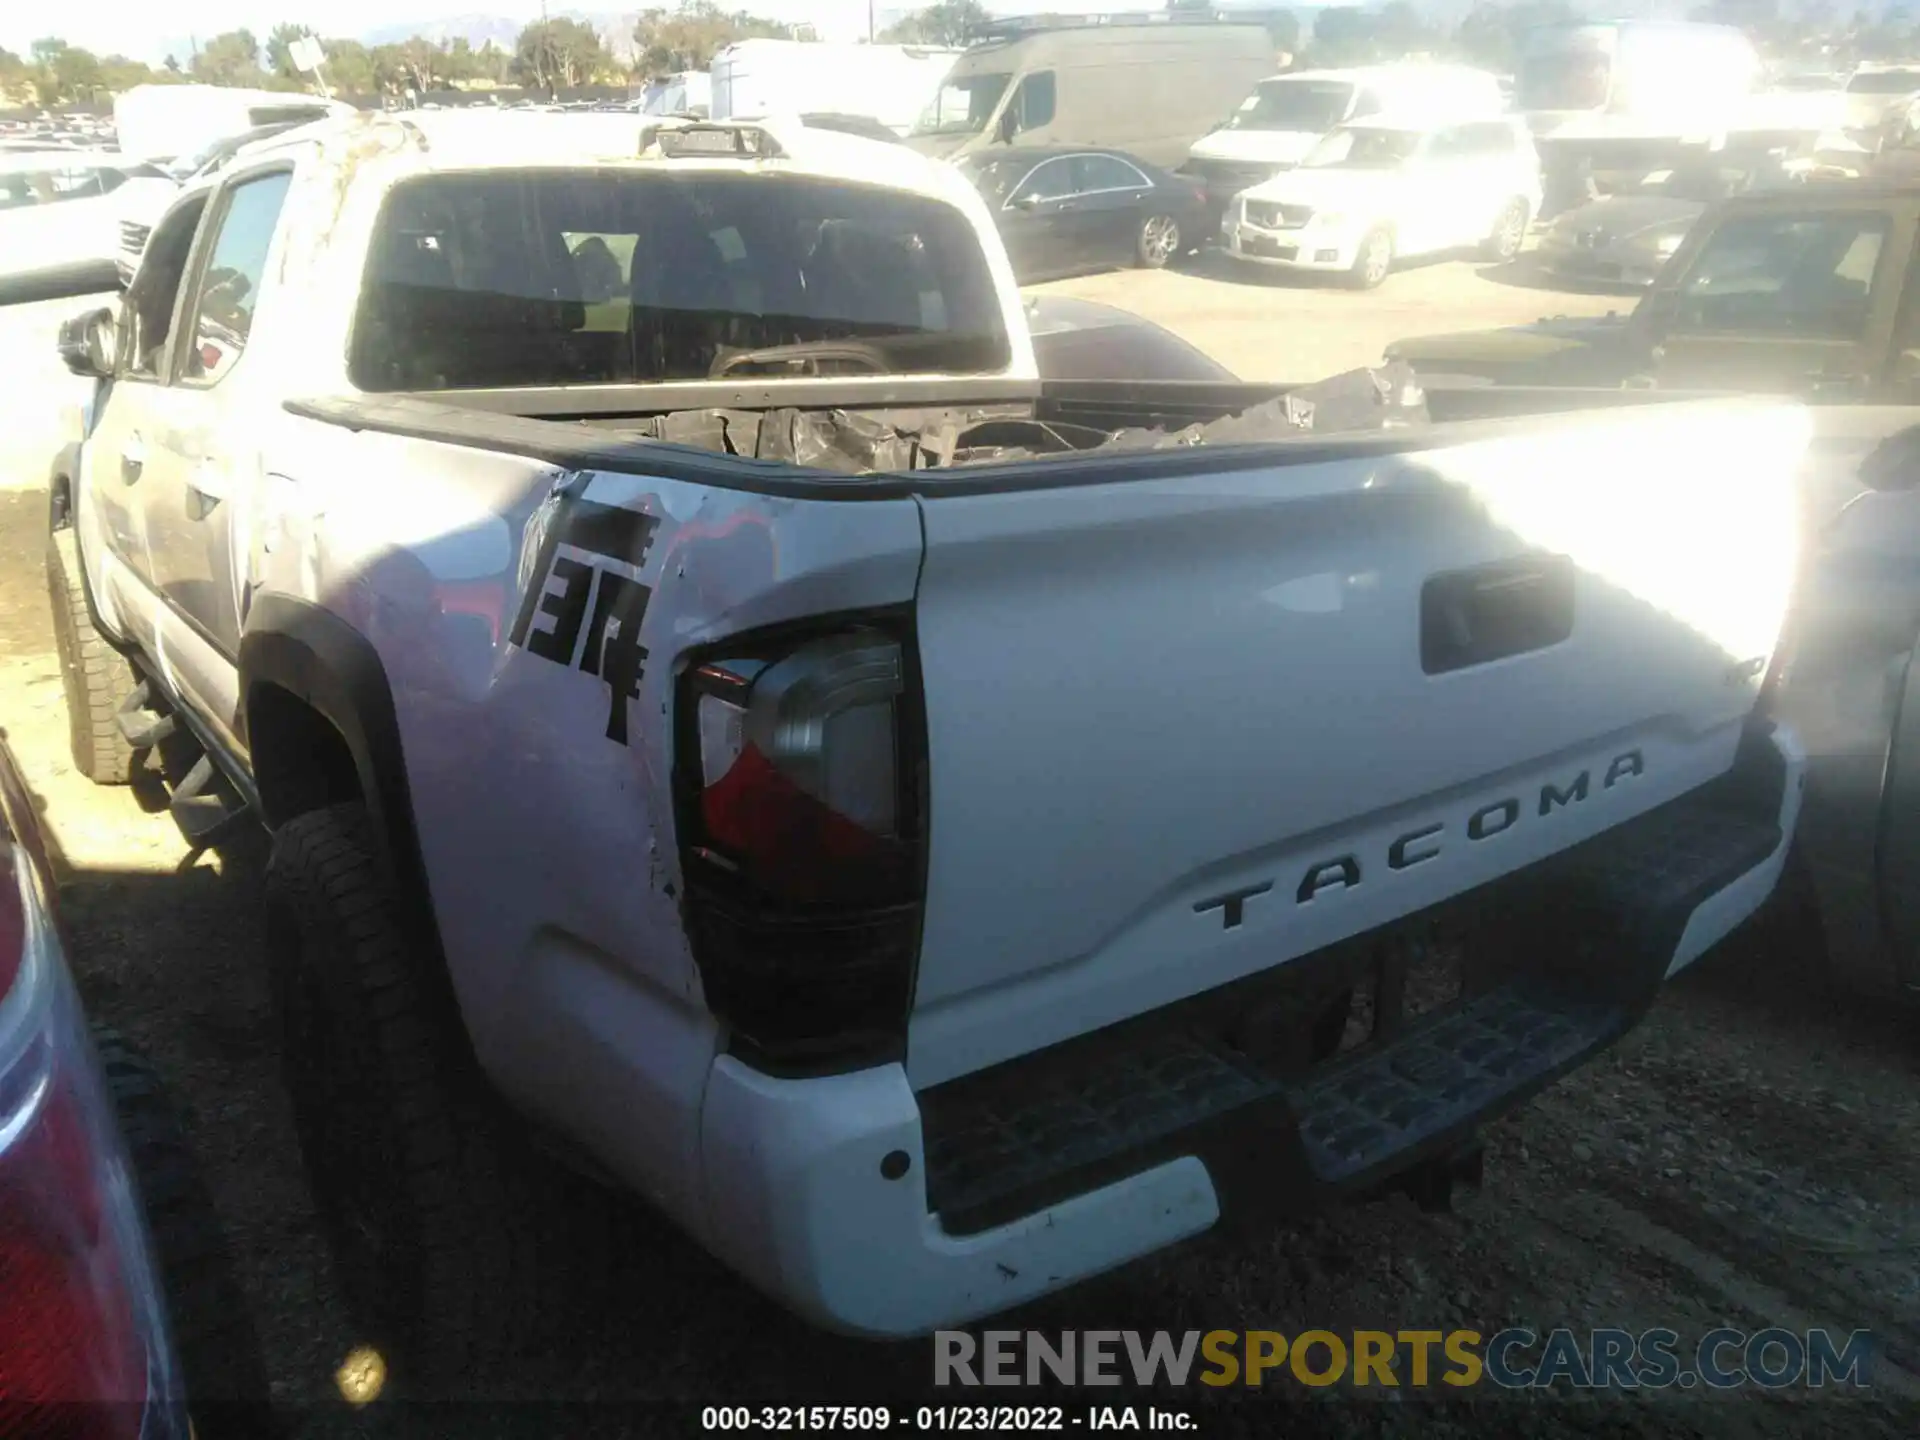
[158, 123]
[1284, 117]
[893, 84]
[1150, 87]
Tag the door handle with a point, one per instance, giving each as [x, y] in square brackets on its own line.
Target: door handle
[133, 459]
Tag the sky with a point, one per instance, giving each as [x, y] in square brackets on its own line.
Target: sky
[143, 29]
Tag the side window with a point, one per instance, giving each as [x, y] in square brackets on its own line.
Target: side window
[1792, 276]
[1365, 104]
[1106, 172]
[1050, 180]
[229, 287]
[1036, 100]
[146, 319]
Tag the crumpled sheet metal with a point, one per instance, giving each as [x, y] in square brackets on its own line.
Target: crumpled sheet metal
[852, 443]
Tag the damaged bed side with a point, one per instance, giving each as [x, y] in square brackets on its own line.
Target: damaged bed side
[1071, 418]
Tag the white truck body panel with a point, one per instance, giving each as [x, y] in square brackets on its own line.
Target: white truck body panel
[1311, 570]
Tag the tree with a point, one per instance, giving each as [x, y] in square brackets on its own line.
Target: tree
[349, 69]
[280, 50]
[558, 53]
[668, 41]
[424, 63]
[16, 76]
[63, 73]
[1345, 35]
[1491, 35]
[1283, 28]
[230, 59]
[946, 22]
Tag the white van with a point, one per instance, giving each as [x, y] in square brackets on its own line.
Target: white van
[752, 79]
[1287, 115]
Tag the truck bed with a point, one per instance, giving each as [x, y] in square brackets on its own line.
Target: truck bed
[1190, 712]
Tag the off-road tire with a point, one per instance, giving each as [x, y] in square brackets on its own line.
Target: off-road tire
[423, 1188]
[213, 1332]
[1366, 273]
[1509, 235]
[95, 676]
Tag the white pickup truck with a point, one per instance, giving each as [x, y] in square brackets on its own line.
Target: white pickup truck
[936, 835]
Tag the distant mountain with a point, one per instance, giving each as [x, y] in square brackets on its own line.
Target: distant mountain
[481, 29]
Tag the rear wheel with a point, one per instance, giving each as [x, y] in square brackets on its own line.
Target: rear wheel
[94, 676]
[213, 1333]
[1158, 241]
[417, 1181]
[1509, 232]
[1375, 260]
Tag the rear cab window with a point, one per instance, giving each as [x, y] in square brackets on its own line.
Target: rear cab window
[1788, 275]
[545, 278]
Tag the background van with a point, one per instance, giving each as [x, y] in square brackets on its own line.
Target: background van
[1149, 88]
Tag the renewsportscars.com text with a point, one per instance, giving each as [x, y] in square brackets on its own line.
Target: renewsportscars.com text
[1512, 1359]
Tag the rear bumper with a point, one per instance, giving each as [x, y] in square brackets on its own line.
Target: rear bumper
[1609, 267]
[874, 1210]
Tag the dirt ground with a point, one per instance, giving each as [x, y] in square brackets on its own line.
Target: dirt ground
[1748, 1157]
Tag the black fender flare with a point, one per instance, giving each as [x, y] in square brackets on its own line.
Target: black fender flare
[334, 670]
[62, 475]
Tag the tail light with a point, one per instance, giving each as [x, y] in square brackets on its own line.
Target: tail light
[84, 1353]
[801, 815]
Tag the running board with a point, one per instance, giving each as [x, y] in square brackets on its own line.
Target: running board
[204, 814]
[140, 725]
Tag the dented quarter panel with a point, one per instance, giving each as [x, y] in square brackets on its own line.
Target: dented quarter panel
[577, 952]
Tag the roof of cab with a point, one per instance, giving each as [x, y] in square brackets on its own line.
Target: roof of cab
[446, 140]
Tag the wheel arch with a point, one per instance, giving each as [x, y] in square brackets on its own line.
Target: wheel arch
[318, 721]
[60, 475]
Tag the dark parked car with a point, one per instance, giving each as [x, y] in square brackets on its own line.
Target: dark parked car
[1083, 340]
[119, 1312]
[1067, 211]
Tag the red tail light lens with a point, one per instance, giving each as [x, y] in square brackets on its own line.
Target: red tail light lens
[799, 778]
[83, 1342]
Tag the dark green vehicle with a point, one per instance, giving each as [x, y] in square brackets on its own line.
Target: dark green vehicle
[1807, 291]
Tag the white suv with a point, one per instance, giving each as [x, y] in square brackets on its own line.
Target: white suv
[1376, 190]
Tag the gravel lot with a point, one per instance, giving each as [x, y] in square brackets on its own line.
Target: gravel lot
[1747, 1157]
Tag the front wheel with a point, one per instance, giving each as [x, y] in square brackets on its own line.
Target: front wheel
[1158, 241]
[1509, 232]
[1375, 260]
[93, 675]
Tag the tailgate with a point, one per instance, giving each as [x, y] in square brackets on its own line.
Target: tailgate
[1188, 726]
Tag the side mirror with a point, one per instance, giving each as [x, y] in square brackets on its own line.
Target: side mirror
[87, 343]
[1893, 464]
[1024, 202]
[1008, 126]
